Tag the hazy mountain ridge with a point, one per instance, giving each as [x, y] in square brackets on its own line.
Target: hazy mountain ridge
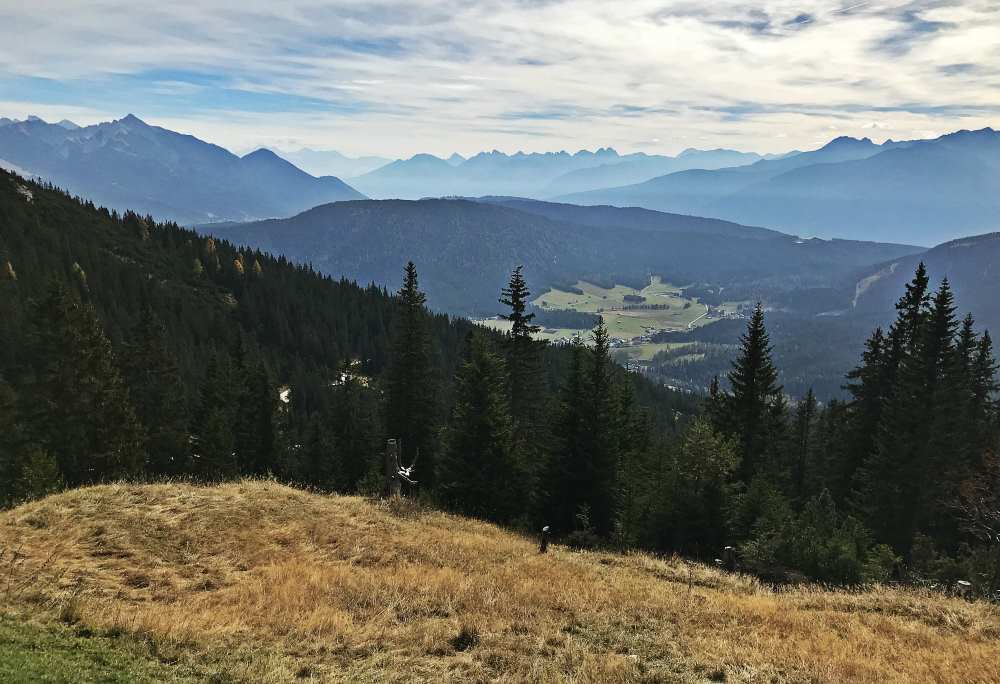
[128, 164]
[924, 191]
[639, 168]
[463, 247]
[332, 162]
[697, 189]
[530, 174]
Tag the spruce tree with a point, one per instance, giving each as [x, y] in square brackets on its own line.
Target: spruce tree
[601, 439]
[754, 410]
[411, 411]
[984, 388]
[870, 386]
[523, 357]
[525, 379]
[158, 392]
[77, 406]
[214, 422]
[805, 416]
[254, 430]
[562, 489]
[479, 473]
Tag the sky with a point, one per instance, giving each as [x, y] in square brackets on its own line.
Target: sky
[397, 78]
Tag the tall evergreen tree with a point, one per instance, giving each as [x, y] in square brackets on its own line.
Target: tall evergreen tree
[805, 416]
[870, 385]
[214, 422]
[525, 379]
[77, 406]
[411, 409]
[256, 438]
[479, 473]
[754, 410]
[158, 393]
[601, 439]
[523, 356]
[562, 488]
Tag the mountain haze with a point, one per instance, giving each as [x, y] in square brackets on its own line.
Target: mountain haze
[923, 192]
[530, 175]
[128, 164]
[640, 167]
[332, 163]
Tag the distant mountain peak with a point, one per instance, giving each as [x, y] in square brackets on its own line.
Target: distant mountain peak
[262, 153]
[68, 125]
[168, 174]
[845, 140]
[424, 156]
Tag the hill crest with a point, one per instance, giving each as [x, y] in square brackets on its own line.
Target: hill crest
[350, 588]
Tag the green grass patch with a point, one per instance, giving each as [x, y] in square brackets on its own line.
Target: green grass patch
[663, 307]
[31, 653]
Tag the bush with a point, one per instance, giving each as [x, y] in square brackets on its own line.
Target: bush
[819, 542]
[583, 536]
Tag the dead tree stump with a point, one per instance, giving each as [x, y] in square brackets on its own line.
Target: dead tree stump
[543, 544]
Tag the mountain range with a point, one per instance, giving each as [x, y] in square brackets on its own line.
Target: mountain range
[531, 175]
[332, 163]
[463, 248]
[128, 164]
[923, 191]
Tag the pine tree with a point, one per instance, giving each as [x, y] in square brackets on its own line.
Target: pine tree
[525, 379]
[523, 358]
[907, 474]
[805, 415]
[703, 466]
[411, 411]
[77, 408]
[516, 296]
[254, 430]
[10, 466]
[479, 473]
[158, 394]
[359, 433]
[754, 409]
[601, 440]
[214, 422]
[870, 385]
[984, 388]
[562, 488]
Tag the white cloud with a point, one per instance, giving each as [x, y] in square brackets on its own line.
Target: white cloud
[440, 76]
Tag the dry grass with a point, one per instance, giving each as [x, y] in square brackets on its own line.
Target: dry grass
[270, 583]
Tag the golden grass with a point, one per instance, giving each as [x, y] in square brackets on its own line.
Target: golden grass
[272, 583]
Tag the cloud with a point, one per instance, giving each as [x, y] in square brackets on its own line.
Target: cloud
[396, 78]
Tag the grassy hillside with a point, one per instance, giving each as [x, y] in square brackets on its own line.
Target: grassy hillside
[254, 581]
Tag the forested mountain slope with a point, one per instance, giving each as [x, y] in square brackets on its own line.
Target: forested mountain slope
[133, 348]
[971, 264]
[464, 246]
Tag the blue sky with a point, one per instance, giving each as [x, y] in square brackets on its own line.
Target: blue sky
[396, 78]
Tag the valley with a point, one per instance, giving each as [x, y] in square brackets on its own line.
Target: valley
[633, 316]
